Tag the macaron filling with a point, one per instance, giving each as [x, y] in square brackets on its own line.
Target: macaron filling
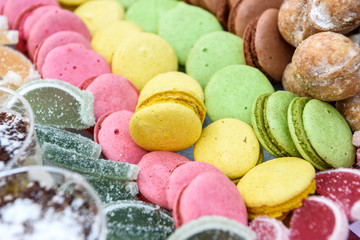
[178, 97]
[299, 136]
[280, 211]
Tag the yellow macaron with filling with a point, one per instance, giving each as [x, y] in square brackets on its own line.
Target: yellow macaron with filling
[169, 114]
[277, 186]
[230, 145]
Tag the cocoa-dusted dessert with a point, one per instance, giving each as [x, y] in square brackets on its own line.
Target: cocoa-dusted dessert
[299, 19]
[13, 132]
[327, 65]
[34, 204]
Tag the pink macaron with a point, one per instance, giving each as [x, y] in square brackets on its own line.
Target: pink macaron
[155, 169]
[55, 21]
[25, 24]
[15, 9]
[112, 133]
[111, 92]
[56, 40]
[74, 63]
[206, 195]
[182, 175]
[2, 4]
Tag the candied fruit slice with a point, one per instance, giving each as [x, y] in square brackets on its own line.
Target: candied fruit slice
[68, 140]
[137, 220]
[60, 104]
[70, 160]
[111, 190]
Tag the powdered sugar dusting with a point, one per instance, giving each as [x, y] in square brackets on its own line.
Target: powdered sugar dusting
[320, 15]
[25, 219]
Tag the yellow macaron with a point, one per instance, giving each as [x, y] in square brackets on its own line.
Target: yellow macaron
[142, 56]
[108, 38]
[230, 145]
[97, 14]
[277, 186]
[169, 115]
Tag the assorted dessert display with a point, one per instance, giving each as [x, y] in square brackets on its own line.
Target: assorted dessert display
[167, 119]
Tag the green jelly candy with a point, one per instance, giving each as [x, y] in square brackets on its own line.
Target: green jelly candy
[137, 220]
[58, 103]
[68, 140]
[55, 155]
[111, 190]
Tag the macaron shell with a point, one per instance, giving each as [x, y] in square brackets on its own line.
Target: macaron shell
[171, 81]
[55, 21]
[231, 91]
[112, 133]
[178, 19]
[298, 134]
[107, 39]
[270, 56]
[180, 123]
[142, 57]
[72, 68]
[182, 175]
[192, 202]
[112, 92]
[56, 40]
[245, 11]
[155, 169]
[212, 52]
[328, 133]
[276, 181]
[230, 145]
[97, 14]
[276, 116]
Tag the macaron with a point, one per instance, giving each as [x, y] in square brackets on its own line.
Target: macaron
[146, 13]
[142, 56]
[269, 56]
[269, 120]
[232, 90]
[112, 134]
[14, 9]
[244, 11]
[211, 52]
[230, 145]
[178, 19]
[155, 169]
[97, 14]
[72, 2]
[25, 24]
[320, 133]
[277, 186]
[51, 22]
[67, 63]
[108, 38]
[127, 3]
[56, 40]
[111, 92]
[209, 194]
[169, 114]
[182, 175]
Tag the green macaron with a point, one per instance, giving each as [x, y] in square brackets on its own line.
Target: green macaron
[269, 120]
[146, 13]
[231, 91]
[183, 25]
[212, 52]
[320, 133]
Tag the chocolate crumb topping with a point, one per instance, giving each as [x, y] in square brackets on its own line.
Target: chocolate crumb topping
[13, 132]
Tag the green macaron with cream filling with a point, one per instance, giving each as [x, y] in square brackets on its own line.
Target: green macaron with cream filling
[269, 120]
[320, 133]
